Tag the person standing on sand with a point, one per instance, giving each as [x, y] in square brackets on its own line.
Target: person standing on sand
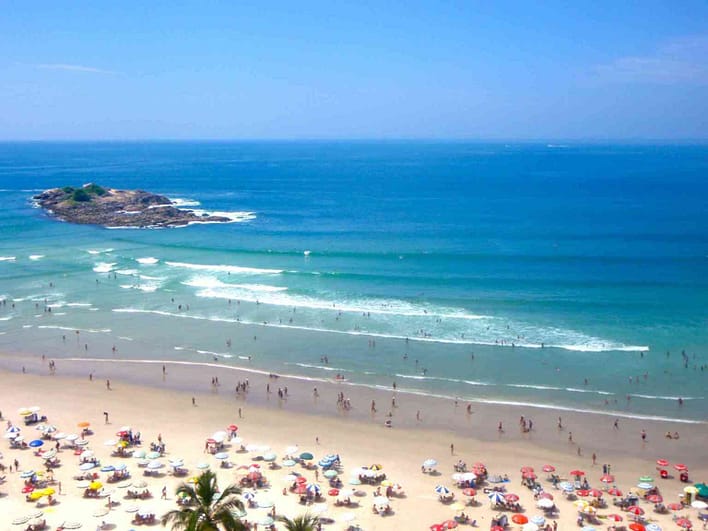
[194, 401]
[105, 414]
[108, 385]
[570, 437]
[594, 459]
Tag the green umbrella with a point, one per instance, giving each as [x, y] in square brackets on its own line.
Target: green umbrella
[306, 456]
[329, 474]
[289, 462]
[270, 457]
[646, 479]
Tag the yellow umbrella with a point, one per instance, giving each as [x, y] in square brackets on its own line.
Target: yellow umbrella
[25, 413]
[457, 506]
[387, 483]
[49, 491]
[193, 479]
[95, 485]
[581, 504]
[35, 495]
[690, 490]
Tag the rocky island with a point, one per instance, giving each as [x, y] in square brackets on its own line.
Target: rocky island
[94, 205]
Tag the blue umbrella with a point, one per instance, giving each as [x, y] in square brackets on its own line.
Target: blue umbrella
[496, 498]
[652, 527]
[538, 520]
[313, 489]
[107, 468]
[86, 466]
[442, 490]
[121, 466]
[36, 443]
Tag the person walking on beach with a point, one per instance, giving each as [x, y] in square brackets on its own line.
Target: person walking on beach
[164, 493]
[452, 449]
[194, 401]
[105, 415]
[594, 458]
[108, 385]
[644, 436]
[570, 437]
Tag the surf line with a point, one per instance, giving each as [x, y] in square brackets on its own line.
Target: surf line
[399, 390]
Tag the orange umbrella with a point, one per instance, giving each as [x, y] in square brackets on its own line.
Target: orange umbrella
[636, 526]
[83, 424]
[519, 519]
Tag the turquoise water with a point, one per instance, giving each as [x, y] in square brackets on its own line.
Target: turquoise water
[507, 273]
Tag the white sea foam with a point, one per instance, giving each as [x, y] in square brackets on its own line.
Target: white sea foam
[7, 258]
[148, 260]
[99, 251]
[149, 288]
[125, 338]
[73, 329]
[238, 270]
[233, 216]
[126, 271]
[7, 318]
[79, 304]
[179, 202]
[321, 367]
[663, 397]
[211, 282]
[35, 257]
[103, 267]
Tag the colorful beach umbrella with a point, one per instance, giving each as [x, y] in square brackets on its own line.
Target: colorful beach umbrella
[685, 523]
[636, 526]
[36, 443]
[549, 468]
[577, 473]
[662, 462]
[519, 519]
[635, 510]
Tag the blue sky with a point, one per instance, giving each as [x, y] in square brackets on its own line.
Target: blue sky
[236, 70]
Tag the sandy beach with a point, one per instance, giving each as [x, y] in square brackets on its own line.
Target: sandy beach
[153, 403]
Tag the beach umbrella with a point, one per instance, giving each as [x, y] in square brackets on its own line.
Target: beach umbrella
[496, 498]
[21, 520]
[131, 509]
[529, 526]
[546, 495]
[548, 468]
[221, 456]
[635, 510]
[699, 504]
[684, 523]
[306, 456]
[82, 442]
[662, 462]
[588, 528]
[469, 492]
[680, 467]
[154, 465]
[636, 526]
[652, 527]
[430, 463]
[615, 517]
[449, 524]
[153, 455]
[36, 443]
[468, 476]
[264, 503]
[519, 519]
[48, 429]
[675, 506]
[333, 492]
[139, 454]
[329, 474]
[95, 485]
[655, 498]
[442, 490]
[84, 467]
[595, 493]
[13, 429]
[313, 489]
[646, 479]
[607, 478]
[614, 491]
[202, 466]
[544, 503]
[266, 521]
[83, 424]
[72, 437]
[269, 457]
[176, 463]
[289, 462]
[27, 489]
[354, 481]
[49, 454]
[511, 497]
[645, 486]
[108, 468]
[577, 473]
[566, 487]
[27, 474]
[120, 467]
[581, 504]
[71, 525]
[525, 469]
[538, 520]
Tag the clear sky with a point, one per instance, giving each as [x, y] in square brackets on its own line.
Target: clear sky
[567, 69]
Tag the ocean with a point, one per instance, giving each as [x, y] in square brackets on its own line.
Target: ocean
[571, 277]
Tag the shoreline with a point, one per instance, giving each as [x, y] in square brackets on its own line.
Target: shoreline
[438, 414]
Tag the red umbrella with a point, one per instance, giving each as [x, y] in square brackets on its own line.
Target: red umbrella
[300, 480]
[546, 495]
[607, 478]
[27, 489]
[681, 467]
[511, 497]
[449, 524]
[526, 469]
[636, 526]
[233, 427]
[662, 462]
[549, 468]
[497, 528]
[684, 522]
[333, 492]
[582, 492]
[437, 527]
[479, 470]
[479, 464]
[254, 476]
[615, 517]
[211, 441]
[595, 493]
[255, 465]
[520, 519]
[655, 498]
[469, 492]
[614, 491]
[529, 475]
[675, 506]
[301, 489]
[577, 473]
[636, 510]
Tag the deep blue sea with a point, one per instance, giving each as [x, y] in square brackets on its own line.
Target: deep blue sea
[564, 276]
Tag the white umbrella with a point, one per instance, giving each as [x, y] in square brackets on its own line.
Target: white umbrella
[699, 504]
[71, 437]
[59, 436]
[529, 526]
[110, 442]
[82, 442]
[430, 463]
[154, 465]
[49, 454]
[381, 500]
[496, 497]
[348, 517]
[221, 456]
